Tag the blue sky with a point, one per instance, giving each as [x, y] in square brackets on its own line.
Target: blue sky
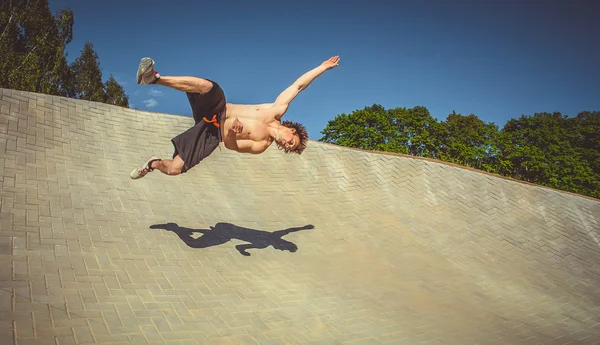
[495, 59]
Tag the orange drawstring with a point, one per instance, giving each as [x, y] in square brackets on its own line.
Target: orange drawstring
[214, 122]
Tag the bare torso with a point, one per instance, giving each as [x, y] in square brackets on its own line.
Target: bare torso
[256, 120]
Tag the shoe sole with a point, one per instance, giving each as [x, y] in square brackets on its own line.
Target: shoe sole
[145, 64]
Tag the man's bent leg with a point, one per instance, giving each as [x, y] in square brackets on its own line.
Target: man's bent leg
[170, 167]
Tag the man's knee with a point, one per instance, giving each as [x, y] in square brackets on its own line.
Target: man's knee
[204, 86]
[176, 166]
[173, 170]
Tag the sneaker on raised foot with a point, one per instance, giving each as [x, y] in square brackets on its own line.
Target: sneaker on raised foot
[146, 73]
[144, 169]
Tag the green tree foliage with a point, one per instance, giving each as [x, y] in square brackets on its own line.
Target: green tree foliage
[399, 130]
[369, 129]
[587, 145]
[12, 40]
[587, 140]
[34, 43]
[539, 149]
[88, 76]
[549, 149]
[33, 54]
[416, 130]
[115, 94]
[468, 141]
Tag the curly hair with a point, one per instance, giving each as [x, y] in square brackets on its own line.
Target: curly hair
[302, 134]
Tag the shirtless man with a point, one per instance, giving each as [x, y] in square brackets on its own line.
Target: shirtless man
[242, 128]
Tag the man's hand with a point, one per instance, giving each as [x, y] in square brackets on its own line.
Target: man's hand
[237, 126]
[331, 63]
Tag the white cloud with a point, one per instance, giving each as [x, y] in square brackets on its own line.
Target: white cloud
[151, 103]
[154, 92]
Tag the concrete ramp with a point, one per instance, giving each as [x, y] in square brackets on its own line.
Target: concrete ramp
[335, 246]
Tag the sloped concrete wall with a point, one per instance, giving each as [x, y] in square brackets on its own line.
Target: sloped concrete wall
[333, 246]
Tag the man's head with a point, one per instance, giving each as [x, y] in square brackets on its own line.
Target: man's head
[292, 137]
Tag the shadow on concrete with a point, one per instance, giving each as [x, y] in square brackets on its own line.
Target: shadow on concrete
[224, 232]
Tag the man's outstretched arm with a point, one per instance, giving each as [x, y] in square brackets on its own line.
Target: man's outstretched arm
[286, 97]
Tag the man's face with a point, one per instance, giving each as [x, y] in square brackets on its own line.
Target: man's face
[288, 138]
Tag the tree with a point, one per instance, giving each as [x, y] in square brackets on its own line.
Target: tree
[587, 139]
[32, 46]
[88, 76]
[539, 149]
[33, 54]
[415, 130]
[367, 129]
[398, 130]
[115, 94]
[61, 69]
[468, 141]
[12, 40]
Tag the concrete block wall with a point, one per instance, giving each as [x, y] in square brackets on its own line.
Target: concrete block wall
[335, 246]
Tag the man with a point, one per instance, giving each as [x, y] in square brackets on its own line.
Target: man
[242, 128]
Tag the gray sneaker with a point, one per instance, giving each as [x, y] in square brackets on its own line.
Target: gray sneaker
[146, 73]
[144, 169]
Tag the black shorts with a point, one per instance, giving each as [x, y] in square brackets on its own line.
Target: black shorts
[200, 141]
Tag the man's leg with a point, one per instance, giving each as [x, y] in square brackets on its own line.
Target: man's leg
[196, 89]
[186, 84]
[147, 75]
[169, 166]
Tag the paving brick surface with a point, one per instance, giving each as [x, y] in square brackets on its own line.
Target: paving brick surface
[336, 246]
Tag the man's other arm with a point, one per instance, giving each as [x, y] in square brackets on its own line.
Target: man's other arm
[288, 95]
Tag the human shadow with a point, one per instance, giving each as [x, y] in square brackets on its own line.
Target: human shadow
[224, 232]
